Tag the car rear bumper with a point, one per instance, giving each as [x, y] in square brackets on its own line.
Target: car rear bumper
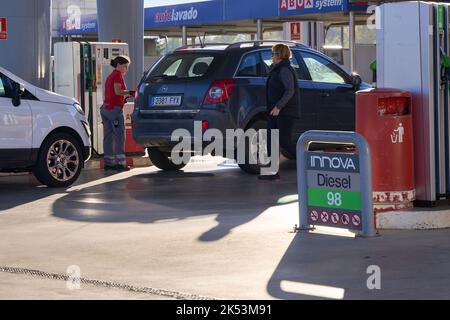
[157, 128]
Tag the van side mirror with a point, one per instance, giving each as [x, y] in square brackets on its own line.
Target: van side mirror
[356, 81]
[17, 93]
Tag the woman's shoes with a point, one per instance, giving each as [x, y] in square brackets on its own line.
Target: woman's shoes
[119, 168]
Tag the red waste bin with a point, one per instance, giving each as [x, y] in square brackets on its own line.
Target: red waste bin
[131, 147]
[384, 118]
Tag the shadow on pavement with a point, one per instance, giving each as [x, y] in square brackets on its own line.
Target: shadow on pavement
[20, 189]
[234, 197]
[413, 265]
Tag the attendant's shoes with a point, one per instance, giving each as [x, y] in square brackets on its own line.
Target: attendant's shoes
[121, 168]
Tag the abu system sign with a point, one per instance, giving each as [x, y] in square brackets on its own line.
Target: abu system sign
[308, 4]
[175, 15]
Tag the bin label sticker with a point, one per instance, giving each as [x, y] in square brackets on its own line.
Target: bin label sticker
[398, 135]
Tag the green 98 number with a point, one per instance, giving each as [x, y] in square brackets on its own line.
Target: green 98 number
[334, 199]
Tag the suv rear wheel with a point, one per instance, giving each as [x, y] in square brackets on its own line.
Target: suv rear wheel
[60, 161]
[163, 161]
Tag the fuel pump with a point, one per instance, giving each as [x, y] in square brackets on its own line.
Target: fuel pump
[80, 72]
[413, 54]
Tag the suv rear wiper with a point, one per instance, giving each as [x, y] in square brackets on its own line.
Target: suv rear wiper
[163, 76]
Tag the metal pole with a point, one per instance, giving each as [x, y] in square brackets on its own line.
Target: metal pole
[259, 30]
[446, 113]
[184, 36]
[352, 41]
[124, 20]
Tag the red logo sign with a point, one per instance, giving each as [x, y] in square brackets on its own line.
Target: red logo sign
[296, 4]
[3, 29]
[295, 31]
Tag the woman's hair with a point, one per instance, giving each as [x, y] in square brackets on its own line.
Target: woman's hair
[284, 52]
[120, 60]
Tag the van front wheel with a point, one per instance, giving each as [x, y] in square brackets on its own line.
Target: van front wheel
[59, 161]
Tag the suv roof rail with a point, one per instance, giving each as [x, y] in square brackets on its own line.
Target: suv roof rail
[204, 45]
[257, 43]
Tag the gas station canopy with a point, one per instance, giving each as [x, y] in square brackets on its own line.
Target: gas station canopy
[217, 17]
[237, 16]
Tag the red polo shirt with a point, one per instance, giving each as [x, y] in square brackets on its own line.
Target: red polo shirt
[111, 98]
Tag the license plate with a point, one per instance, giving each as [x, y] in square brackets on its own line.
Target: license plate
[166, 101]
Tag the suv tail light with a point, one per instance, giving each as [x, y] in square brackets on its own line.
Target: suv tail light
[219, 92]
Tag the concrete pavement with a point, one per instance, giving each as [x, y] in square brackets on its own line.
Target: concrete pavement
[210, 231]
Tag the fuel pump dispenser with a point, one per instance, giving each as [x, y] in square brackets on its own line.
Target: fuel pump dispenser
[80, 71]
[413, 54]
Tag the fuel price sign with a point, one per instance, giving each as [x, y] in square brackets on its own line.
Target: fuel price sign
[334, 190]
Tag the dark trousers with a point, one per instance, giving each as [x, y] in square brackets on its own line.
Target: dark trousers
[285, 125]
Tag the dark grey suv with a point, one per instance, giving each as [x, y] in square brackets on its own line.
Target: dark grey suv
[224, 87]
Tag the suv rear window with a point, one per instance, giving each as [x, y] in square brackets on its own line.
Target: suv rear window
[191, 65]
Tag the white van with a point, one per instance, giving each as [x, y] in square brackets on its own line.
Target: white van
[41, 132]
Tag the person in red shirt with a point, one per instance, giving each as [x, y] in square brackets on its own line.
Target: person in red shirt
[116, 94]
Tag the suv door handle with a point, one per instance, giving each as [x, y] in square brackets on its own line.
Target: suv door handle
[325, 94]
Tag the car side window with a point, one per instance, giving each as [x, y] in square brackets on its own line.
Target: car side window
[173, 68]
[2, 88]
[6, 86]
[267, 59]
[250, 66]
[200, 66]
[322, 70]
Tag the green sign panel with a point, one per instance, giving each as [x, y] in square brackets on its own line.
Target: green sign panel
[334, 199]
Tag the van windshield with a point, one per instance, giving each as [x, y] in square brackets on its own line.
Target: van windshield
[181, 66]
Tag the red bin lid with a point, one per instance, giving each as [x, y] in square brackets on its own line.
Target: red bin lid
[385, 92]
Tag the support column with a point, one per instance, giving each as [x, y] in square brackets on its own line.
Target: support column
[184, 36]
[124, 20]
[352, 41]
[259, 30]
[26, 52]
